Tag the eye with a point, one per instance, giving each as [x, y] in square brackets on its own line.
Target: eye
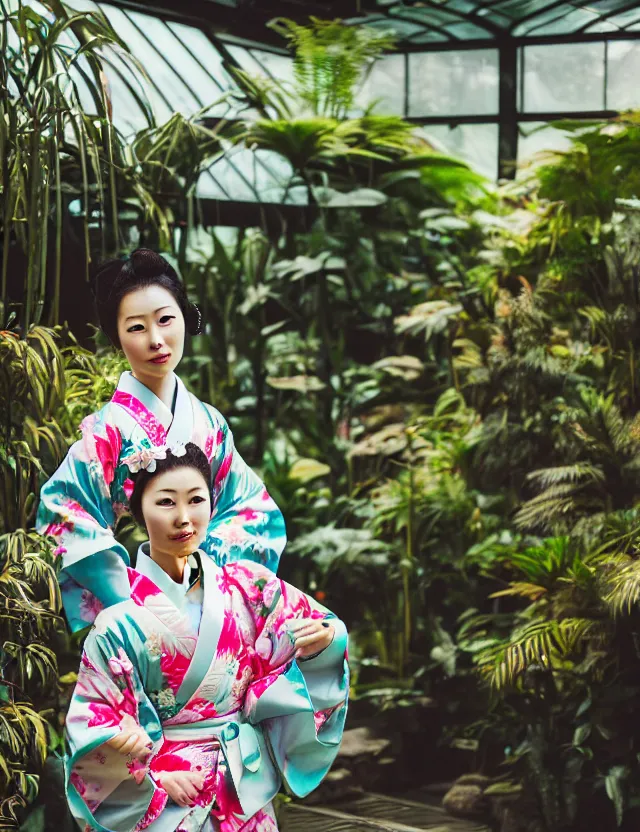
[165, 319]
[197, 499]
[165, 501]
[135, 328]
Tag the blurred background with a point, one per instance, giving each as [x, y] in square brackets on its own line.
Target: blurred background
[412, 229]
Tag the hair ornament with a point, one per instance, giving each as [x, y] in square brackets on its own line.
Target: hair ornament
[145, 459]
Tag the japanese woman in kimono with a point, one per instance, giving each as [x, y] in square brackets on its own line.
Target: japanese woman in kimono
[144, 310]
[208, 687]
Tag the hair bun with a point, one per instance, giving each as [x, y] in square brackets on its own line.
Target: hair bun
[148, 264]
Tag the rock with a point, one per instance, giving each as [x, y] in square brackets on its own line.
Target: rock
[337, 785]
[474, 780]
[466, 802]
[360, 742]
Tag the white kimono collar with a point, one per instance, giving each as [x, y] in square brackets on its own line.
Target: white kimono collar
[178, 426]
[149, 568]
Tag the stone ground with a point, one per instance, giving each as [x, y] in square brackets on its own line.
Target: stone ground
[368, 812]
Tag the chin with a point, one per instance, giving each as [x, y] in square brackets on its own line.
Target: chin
[188, 547]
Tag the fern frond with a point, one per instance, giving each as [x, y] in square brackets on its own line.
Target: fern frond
[623, 588]
[521, 589]
[578, 472]
[543, 644]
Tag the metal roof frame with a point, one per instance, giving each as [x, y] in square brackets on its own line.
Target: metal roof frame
[505, 25]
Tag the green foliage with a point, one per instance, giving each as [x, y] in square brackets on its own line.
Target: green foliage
[440, 387]
[331, 60]
[32, 391]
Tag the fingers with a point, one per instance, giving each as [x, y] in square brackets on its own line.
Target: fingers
[182, 786]
[141, 749]
[308, 645]
[298, 625]
[312, 638]
[136, 743]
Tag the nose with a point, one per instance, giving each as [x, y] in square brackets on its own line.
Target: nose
[182, 518]
[155, 339]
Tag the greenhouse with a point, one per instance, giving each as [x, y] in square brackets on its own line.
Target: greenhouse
[319, 449]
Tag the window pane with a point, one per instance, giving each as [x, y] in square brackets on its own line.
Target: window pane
[564, 78]
[623, 91]
[170, 86]
[453, 83]
[230, 181]
[537, 137]
[201, 84]
[475, 144]
[279, 67]
[384, 86]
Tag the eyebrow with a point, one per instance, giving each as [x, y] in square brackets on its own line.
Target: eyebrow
[155, 312]
[190, 491]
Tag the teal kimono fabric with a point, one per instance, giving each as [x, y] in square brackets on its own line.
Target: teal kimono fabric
[82, 501]
[229, 701]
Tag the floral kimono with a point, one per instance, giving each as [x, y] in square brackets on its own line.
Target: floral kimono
[81, 503]
[231, 703]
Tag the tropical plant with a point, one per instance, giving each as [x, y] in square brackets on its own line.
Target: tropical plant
[32, 389]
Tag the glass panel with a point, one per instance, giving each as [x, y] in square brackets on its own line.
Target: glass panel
[564, 77]
[534, 138]
[201, 84]
[171, 87]
[468, 31]
[209, 188]
[602, 27]
[199, 45]
[279, 67]
[83, 5]
[623, 91]
[245, 59]
[384, 86]
[128, 116]
[128, 112]
[453, 83]
[430, 36]
[223, 171]
[475, 144]
[625, 19]
[564, 24]
[401, 28]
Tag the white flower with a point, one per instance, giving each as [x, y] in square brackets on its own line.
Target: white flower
[145, 459]
[179, 449]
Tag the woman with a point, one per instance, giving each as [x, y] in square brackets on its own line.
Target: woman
[197, 695]
[143, 309]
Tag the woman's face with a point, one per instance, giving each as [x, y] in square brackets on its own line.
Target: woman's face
[151, 331]
[176, 508]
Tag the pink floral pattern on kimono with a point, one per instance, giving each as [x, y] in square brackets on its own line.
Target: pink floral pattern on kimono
[138, 660]
[108, 452]
[90, 606]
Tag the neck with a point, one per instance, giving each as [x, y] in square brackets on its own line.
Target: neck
[163, 387]
[173, 566]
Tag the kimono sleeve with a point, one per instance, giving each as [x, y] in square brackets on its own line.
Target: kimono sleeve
[76, 510]
[301, 705]
[246, 523]
[107, 790]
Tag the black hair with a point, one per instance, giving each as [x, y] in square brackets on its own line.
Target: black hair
[192, 458]
[114, 279]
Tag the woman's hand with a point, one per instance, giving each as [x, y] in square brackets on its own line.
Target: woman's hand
[134, 741]
[182, 787]
[311, 636]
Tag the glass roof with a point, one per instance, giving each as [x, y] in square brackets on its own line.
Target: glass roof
[440, 21]
[186, 73]
[186, 68]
